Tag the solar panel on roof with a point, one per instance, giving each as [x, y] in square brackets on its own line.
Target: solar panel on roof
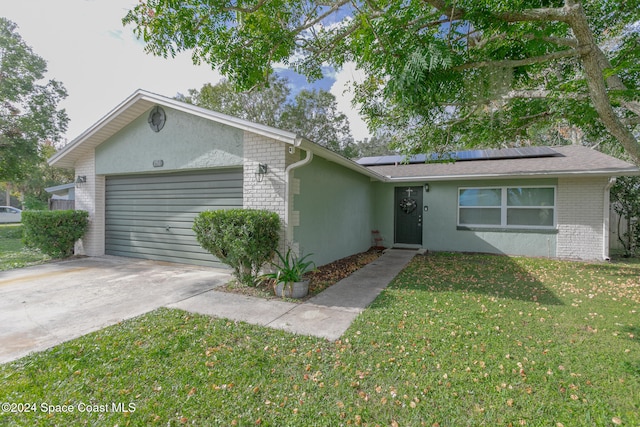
[461, 156]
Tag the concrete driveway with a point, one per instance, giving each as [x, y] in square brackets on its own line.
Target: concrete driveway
[45, 305]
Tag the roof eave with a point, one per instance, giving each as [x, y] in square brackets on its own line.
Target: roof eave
[519, 175]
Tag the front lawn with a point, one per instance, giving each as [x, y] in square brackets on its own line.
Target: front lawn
[13, 253]
[456, 340]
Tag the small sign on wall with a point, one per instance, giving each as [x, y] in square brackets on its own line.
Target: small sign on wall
[158, 163]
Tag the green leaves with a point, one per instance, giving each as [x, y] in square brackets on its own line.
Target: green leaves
[244, 239]
[625, 198]
[312, 113]
[29, 114]
[54, 232]
[439, 73]
[290, 267]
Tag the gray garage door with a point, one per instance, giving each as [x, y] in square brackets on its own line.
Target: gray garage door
[150, 216]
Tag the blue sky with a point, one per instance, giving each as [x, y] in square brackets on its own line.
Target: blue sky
[101, 63]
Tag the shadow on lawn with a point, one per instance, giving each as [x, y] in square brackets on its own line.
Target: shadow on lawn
[493, 275]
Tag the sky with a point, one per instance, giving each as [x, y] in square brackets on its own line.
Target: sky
[101, 63]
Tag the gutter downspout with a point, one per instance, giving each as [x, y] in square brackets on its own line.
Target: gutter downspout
[288, 233]
[607, 212]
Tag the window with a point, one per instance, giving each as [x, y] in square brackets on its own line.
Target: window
[510, 207]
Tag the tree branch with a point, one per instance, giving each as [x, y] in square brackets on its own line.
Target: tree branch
[451, 13]
[560, 14]
[541, 94]
[245, 10]
[512, 63]
[339, 37]
[321, 17]
[561, 41]
[594, 71]
[615, 83]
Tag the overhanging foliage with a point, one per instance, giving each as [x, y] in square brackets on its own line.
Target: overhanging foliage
[440, 72]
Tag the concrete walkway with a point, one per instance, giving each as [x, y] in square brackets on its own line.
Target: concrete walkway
[327, 315]
[45, 305]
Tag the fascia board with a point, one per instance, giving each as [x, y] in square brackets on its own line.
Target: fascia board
[577, 174]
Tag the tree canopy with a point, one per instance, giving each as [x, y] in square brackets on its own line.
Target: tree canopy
[311, 113]
[439, 72]
[29, 112]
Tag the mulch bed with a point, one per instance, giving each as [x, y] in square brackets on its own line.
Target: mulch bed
[320, 279]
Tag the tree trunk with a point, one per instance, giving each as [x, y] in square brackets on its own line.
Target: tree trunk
[597, 86]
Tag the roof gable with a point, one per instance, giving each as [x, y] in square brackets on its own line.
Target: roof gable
[139, 103]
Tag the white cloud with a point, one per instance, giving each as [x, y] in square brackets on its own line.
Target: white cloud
[343, 91]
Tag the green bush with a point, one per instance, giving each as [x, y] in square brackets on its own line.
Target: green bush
[625, 198]
[54, 232]
[244, 239]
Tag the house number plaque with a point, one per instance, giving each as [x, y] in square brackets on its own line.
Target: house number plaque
[158, 163]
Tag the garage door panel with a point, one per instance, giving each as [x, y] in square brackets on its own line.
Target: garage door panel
[126, 184]
[149, 226]
[169, 194]
[156, 247]
[132, 217]
[169, 256]
[180, 202]
[230, 174]
[151, 216]
[121, 238]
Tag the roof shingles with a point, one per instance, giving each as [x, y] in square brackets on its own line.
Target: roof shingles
[573, 161]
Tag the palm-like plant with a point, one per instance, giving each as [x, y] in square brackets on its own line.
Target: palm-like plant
[290, 269]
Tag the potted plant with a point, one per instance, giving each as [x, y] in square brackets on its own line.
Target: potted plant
[288, 275]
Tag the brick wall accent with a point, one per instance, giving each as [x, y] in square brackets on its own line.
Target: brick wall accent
[90, 197]
[268, 194]
[580, 205]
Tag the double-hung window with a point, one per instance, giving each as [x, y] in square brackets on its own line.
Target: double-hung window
[507, 207]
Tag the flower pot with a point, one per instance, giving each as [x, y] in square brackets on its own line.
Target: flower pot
[292, 289]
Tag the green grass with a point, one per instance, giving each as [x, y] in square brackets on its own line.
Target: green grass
[13, 254]
[456, 340]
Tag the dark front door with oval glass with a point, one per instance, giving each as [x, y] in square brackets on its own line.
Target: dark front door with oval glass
[408, 215]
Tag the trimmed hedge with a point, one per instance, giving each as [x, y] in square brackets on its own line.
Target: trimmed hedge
[54, 232]
[244, 239]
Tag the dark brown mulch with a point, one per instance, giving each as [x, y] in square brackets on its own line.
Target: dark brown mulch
[332, 273]
[320, 279]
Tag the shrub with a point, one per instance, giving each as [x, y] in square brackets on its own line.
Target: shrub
[625, 197]
[244, 239]
[54, 232]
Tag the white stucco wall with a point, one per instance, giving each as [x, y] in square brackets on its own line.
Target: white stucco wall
[186, 142]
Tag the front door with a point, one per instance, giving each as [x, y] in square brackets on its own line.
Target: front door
[408, 215]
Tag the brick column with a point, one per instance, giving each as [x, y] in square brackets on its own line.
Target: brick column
[580, 204]
[90, 198]
[268, 194]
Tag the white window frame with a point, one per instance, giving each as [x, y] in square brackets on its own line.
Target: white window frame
[504, 208]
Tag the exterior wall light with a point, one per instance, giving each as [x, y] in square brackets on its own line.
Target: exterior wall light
[261, 172]
[81, 179]
[426, 188]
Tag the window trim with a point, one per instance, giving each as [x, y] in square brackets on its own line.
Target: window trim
[504, 207]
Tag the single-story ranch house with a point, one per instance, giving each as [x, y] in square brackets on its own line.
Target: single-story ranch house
[150, 165]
